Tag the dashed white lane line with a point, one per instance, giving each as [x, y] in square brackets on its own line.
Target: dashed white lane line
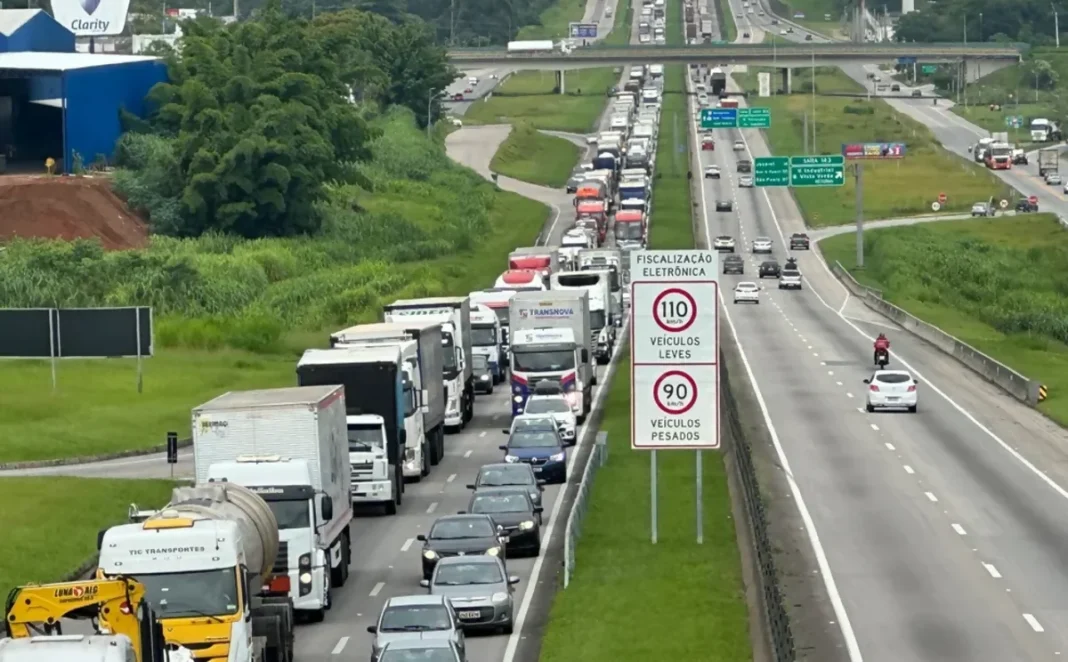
[468, 454]
[992, 570]
[874, 427]
[889, 446]
[830, 373]
[432, 507]
[849, 395]
[909, 470]
[1033, 622]
[451, 478]
[838, 383]
[959, 529]
[377, 589]
[483, 434]
[810, 346]
[340, 646]
[931, 497]
[407, 544]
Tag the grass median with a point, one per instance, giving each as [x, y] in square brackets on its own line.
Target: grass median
[532, 96]
[669, 223]
[996, 284]
[892, 189]
[532, 156]
[50, 523]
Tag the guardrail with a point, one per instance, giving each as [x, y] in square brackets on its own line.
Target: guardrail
[573, 529]
[1022, 388]
[784, 50]
[780, 635]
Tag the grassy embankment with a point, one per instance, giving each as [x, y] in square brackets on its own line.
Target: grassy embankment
[728, 28]
[999, 285]
[534, 157]
[892, 188]
[52, 537]
[234, 314]
[815, 12]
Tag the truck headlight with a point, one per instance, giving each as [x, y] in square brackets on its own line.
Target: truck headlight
[305, 578]
[526, 526]
[430, 555]
[304, 562]
[493, 551]
[557, 457]
[511, 458]
[517, 399]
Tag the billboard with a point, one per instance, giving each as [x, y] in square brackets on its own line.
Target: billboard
[91, 18]
[860, 151]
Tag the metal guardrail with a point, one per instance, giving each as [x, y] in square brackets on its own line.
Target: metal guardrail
[785, 50]
[573, 529]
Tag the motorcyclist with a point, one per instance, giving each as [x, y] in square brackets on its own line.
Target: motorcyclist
[882, 344]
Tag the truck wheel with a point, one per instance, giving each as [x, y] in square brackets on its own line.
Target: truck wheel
[340, 574]
[424, 471]
[436, 446]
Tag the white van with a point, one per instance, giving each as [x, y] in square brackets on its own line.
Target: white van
[656, 70]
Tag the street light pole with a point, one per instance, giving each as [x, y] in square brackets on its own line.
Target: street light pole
[1056, 25]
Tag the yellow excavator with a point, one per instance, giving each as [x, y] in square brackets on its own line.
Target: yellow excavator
[127, 629]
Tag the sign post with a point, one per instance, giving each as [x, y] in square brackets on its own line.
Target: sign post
[674, 346]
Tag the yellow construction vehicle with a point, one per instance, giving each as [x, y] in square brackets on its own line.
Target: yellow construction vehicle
[125, 624]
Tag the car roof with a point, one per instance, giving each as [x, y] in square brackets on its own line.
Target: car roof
[498, 466]
[747, 284]
[762, 239]
[410, 600]
[473, 558]
[533, 422]
[417, 644]
[466, 517]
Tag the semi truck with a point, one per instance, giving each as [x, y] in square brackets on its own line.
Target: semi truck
[603, 313]
[208, 561]
[486, 339]
[551, 339]
[612, 260]
[380, 411]
[998, 156]
[497, 301]
[533, 46]
[541, 258]
[289, 446]
[454, 315]
[1048, 161]
[717, 80]
[422, 351]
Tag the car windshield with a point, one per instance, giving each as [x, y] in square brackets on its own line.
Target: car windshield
[463, 574]
[552, 361]
[500, 503]
[415, 618]
[480, 362]
[546, 406]
[187, 594]
[723, 239]
[893, 378]
[628, 231]
[291, 514]
[533, 439]
[482, 336]
[362, 438]
[438, 654]
[517, 475]
[458, 529]
[746, 286]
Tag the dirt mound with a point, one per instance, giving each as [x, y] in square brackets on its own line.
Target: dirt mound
[68, 208]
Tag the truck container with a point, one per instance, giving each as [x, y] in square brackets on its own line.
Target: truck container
[379, 402]
[1048, 161]
[213, 568]
[486, 339]
[454, 315]
[535, 46]
[717, 80]
[289, 446]
[603, 313]
[542, 258]
[521, 279]
[706, 29]
[534, 358]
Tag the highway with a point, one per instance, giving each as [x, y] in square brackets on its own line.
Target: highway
[937, 534]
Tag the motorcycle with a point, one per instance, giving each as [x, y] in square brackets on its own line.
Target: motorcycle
[882, 358]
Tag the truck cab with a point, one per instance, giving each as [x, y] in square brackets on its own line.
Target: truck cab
[526, 279]
[609, 259]
[371, 473]
[547, 354]
[497, 301]
[602, 311]
[630, 228]
[540, 258]
[486, 339]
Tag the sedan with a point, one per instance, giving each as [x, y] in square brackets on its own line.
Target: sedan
[739, 146]
[512, 510]
[509, 475]
[459, 535]
[892, 389]
[724, 205]
[762, 245]
[479, 589]
[712, 172]
[982, 209]
[534, 440]
[708, 145]
[733, 264]
[745, 181]
[769, 269]
[747, 293]
[415, 618]
[723, 243]
[1053, 179]
[424, 650]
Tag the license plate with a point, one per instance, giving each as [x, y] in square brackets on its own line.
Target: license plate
[893, 398]
[537, 470]
[470, 615]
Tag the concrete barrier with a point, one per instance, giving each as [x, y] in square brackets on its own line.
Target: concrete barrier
[1022, 388]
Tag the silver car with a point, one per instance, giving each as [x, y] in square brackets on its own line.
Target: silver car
[479, 589]
[423, 650]
[416, 617]
[762, 245]
[745, 181]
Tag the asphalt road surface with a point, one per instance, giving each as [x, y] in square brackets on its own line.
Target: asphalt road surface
[940, 534]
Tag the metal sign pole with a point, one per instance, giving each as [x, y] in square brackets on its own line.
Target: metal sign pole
[137, 330]
[859, 171]
[700, 502]
[652, 491]
[52, 315]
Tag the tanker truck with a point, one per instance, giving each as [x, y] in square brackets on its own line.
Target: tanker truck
[206, 561]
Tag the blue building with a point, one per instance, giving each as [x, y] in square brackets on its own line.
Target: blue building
[55, 102]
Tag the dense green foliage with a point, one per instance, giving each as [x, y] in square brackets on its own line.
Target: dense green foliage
[259, 116]
[1029, 21]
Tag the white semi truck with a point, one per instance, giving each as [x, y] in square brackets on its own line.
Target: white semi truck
[550, 339]
[486, 339]
[611, 259]
[544, 259]
[497, 301]
[208, 563]
[381, 415]
[603, 313]
[454, 315]
[289, 446]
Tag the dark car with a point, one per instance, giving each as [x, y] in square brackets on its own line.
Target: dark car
[574, 181]
[895, 88]
[745, 165]
[460, 535]
[536, 441]
[808, 37]
[799, 240]
[733, 264]
[724, 205]
[917, 93]
[1026, 206]
[509, 475]
[512, 510]
[770, 269]
[1019, 157]
[483, 376]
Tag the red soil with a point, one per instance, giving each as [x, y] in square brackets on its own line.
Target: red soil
[68, 208]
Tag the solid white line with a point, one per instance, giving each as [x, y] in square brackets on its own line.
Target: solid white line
[407, 544]
[931, 497]
[959, 529]
[468, 454]
[889, 446]
[340, 646]
[992, 570]
[1033, 622]
[451, 478]
[909, 470]
[874, 427]
[377, 589]
[432, 507]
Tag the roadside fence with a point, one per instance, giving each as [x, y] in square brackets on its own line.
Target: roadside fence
[573, 529]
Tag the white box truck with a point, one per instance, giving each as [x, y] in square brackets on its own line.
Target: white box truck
[497, 301]
[289, 446]
[602, 311]
[550, 334]
[486, 339]
[612, 260]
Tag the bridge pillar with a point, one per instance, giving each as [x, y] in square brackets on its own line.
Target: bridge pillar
[787, 81]
[561, 82]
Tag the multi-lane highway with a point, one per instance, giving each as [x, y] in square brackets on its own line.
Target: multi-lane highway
[939, 535]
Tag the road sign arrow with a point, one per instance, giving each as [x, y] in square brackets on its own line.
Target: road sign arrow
[838, 175]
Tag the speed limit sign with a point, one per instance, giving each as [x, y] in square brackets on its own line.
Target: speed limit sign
[675, 407]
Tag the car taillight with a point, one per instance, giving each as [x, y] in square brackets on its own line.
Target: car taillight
[874, 388]
[912, 388]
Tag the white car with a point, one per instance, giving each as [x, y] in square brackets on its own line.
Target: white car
[712, 172]
[892, 389]
[644, 38]
[782, 32]
[747, 292]
[591, 140]
[723, 243]
[559, 409]
[739, 146]
[473, 80]
[745, 181]
[762, 245]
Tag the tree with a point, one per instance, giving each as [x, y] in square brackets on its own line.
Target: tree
[1029, 21]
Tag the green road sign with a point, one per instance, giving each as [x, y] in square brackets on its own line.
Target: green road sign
[817, 170]
[929, 68]
[754, 118]
[719, 118]
[771, 171]
[1014, 121]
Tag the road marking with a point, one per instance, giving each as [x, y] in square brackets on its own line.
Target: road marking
[810, 346]
[959, 529]
[1033, 622]
[889, 446]
[407, 544]
[377, 589]
[849, 395]
[467, 454]
[909, 470]
[838, 383]
[451, 478]
[483, 434]
[432, 507]
[816, 354]
[831, 373]
[340, 646]
[992, 570]
[931, 497]
[874, 427]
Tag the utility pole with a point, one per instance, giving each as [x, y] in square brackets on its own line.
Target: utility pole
[805, 132]
[452, 22]
[858, 171]
[429, 109]
[1056, 25]
[814, 150]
